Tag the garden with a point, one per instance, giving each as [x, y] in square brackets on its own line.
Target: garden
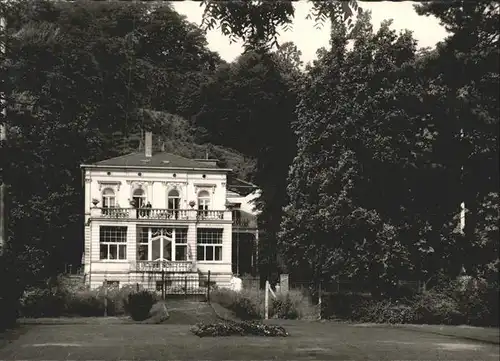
[450, 302]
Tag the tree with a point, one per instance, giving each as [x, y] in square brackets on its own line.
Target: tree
[76, 73]
[368, 197]
[256, 23]
[249, 106]
[466, 70]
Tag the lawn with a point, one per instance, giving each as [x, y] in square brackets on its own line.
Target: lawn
[117, 339]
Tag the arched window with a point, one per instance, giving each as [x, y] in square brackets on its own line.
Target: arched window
[139, 198]
[203, 202]
[108, 198]
[174, 198]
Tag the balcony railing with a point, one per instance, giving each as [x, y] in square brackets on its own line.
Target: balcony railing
[166, 266]
[160, 213]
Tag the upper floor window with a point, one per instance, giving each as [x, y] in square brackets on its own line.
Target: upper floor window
[139, 198]
[203, 200]
[174, 199]
[108, 198]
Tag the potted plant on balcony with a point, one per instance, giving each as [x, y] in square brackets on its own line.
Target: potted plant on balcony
[192, 203]
[95, 202]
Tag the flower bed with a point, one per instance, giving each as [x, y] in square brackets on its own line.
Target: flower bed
[238, 329]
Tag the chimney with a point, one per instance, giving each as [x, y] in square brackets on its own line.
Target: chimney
[148, 145]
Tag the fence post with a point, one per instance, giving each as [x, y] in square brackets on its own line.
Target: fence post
[266, 301]
[208, 287]
[163, 284]
[319, 301]
[105, 298]
[186, 285]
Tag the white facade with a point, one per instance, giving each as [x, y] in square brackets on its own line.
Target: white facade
[186, 231]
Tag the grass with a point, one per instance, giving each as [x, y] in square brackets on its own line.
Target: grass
[117, 338]
[307, 341]
[182, 312]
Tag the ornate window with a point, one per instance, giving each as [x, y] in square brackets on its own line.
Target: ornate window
[108, 198]
[112, 243]
[139, 198]
[209, 244]
[162, 244]
[203, 202]
[173, 203]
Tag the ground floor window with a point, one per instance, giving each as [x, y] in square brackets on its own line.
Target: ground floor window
[209, 244]
[155, 243]
[112, 242]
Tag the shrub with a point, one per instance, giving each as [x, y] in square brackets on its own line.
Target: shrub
[466, 301]
[19, 267]
[401, 292]
[139, 304]
[119, 298]
[478, 302]
[87, 304]
[284, 307]
[437, 307]
[292, 305]
[43, 302]
[343, 305]
[240, 329]
[385, 311]
[247, 304]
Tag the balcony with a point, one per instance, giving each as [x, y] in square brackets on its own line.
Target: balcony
[161, 214]
[163, 266]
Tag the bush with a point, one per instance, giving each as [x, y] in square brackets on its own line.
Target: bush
[292, 305]
[139, 304]
[18, 268]
[343, 305]
[119, 297]
[401, 292]
[86, 304]
[385, 311]
[74, 301]
[238, 329]
[44, 302]
[437, 307]
[478, 302]
[247, 304]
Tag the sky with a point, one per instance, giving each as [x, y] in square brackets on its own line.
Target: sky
[426, 30]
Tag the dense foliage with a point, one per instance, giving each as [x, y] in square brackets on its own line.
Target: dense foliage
[139, 304]
[257, 23]
[249, 106]
[471, 302]
[18, 270]
[382, 165]
[82, 81]
[249, 304]
[62, 297]
[381, 142]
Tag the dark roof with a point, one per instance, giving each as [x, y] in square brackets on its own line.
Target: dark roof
[240, 186]
[167, 160]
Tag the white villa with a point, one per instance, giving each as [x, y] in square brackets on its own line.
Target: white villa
[153, 213]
